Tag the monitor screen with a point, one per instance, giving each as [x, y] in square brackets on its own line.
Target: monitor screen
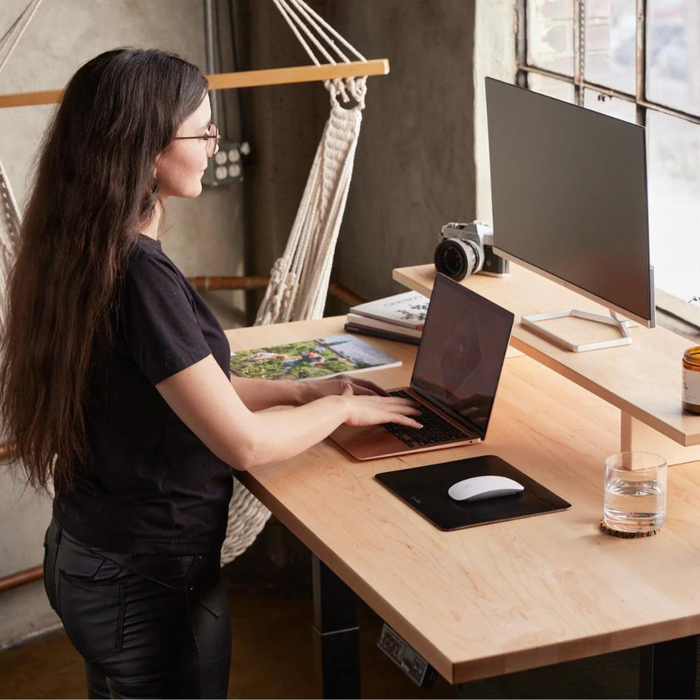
[461, 353]
[569, 194]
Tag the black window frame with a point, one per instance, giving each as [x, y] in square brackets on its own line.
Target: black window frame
[664, 300]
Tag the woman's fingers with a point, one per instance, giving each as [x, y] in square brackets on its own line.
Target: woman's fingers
[395, 403]
[369, 387]
[402, 416]
[402, 402]
[373, 410]
[402, 419]
[362, 391]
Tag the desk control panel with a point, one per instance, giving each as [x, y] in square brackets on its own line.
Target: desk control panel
[406, 658]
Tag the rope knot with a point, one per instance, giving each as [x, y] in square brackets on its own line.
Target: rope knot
[348, 93]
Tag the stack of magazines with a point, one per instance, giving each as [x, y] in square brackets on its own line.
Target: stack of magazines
[399, 317]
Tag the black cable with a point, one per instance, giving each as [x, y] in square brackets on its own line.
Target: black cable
[236, 65]
[221, 97]
[232, 24]
[252, 299]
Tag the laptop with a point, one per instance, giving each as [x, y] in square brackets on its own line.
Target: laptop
[455, 377]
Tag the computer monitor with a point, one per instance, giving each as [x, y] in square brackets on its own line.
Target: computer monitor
[569, 195]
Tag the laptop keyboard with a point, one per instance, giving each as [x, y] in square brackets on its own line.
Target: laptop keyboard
[435, 430]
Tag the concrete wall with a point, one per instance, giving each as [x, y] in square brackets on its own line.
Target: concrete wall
[204, 236]
[414, 169]
[494, 56]
[283, 125]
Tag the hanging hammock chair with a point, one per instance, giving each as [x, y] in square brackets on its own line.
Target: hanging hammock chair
[300, 279]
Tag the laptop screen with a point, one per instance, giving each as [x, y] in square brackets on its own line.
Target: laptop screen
[461, 353]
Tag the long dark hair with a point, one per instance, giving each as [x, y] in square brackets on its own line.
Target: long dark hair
[93, 191]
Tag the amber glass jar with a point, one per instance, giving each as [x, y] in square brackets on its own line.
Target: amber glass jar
[691, 379]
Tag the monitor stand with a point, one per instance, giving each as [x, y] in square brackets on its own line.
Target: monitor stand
[533, 321]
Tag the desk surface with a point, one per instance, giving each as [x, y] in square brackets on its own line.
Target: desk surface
[509, 596]
[643, 379]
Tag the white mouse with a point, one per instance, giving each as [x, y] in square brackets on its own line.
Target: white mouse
[479, 488]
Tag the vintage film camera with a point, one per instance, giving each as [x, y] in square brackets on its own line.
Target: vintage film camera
[465, 249]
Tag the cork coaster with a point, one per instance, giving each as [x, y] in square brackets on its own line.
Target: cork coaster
[627, 535]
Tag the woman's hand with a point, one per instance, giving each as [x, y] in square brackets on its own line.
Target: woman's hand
[374, 410]
[334, 386]
[207, 403]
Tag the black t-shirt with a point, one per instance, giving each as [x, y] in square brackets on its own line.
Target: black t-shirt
[152, 486]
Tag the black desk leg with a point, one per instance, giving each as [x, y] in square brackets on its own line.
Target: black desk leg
[336, 634]
[668, 669]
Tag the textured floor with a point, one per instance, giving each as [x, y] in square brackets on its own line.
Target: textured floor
[271, 659]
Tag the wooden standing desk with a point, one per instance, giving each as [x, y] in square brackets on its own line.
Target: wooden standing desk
[500, 598]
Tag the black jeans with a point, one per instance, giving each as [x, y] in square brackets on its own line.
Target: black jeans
[147, 626]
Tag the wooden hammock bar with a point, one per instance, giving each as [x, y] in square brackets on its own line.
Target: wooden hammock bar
[240, 79]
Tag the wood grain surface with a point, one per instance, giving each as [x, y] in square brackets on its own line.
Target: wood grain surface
[509, 596]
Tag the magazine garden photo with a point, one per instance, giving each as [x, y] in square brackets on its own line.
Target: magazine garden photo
[311, 359]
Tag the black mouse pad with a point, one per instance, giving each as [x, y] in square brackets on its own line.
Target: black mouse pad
[425, 490]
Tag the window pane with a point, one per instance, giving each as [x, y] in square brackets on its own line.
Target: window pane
[561, 89]
[613, 106]
[674, 205]
[673, 54]
[550, 35]
[611, 31]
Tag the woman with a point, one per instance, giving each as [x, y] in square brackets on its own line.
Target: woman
[116, 387]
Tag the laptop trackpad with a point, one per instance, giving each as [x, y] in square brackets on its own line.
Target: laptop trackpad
[368, 441]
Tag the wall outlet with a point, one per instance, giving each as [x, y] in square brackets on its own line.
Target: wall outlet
[227, 165]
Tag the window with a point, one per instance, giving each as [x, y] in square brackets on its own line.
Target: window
[637, 60]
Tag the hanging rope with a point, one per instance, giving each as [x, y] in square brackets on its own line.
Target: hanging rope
[299, 279]
[9, 211]
[14, 33]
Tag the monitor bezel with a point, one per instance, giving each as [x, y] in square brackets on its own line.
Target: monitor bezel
[606, 303]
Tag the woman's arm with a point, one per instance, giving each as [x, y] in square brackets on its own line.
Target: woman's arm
[204, 399]
[259, 394]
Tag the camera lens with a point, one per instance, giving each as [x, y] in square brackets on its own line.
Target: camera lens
[456, 258]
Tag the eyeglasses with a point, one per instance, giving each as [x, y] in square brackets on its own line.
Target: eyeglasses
[212, 139]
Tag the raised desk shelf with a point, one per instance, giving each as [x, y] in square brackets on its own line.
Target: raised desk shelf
[643, 379]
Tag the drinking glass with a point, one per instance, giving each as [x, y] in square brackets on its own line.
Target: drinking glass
[635, 492]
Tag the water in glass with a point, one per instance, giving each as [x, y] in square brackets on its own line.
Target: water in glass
[635, 497]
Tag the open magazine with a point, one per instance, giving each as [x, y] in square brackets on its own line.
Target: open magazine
[311, 359]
